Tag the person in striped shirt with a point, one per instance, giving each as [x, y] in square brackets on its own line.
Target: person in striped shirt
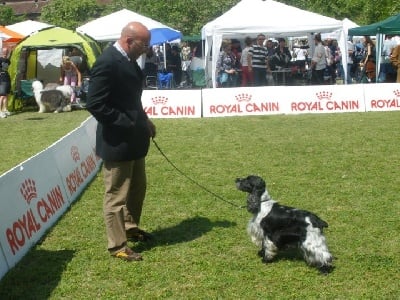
[258, 62]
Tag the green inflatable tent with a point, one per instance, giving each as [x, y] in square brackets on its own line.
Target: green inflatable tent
[24, 58]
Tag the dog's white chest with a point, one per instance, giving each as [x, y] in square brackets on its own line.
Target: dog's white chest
[253, 228]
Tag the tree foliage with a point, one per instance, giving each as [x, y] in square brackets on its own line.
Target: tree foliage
[7, 16]
[62, 13]
[362, 12]
[189, 16]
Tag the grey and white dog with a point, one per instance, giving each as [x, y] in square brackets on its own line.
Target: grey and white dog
[55, 99]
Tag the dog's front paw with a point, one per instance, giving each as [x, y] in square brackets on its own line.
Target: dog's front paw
[261, 253]
[325, 270]
[266, 260]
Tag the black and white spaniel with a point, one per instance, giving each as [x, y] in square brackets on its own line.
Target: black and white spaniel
[275, 227]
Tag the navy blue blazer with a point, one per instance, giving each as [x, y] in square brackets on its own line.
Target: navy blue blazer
[114, 100]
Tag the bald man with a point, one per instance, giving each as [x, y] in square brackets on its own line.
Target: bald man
[122, 136]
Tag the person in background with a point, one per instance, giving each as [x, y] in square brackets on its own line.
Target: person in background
[151, 62]
[174, 65]
[331, 48]
[237, 53]
[280, 60]
[388, 45]
[283, 53]
[270, 48]
[387, 71]
[5, 83]
[76, 57]
[227, 74]
[368, 63]
[160, 57]
[258, 61]
[301, 54]
[350, 51]
[168, 54]
[122, 137]
[70, 75]
[247, 76]
[318, 61]
[395, 60]
[186, 55]
[186, 51]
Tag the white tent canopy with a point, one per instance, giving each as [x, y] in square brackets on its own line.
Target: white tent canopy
[108, 28]
[347, 24]
[275, 19]
[28, 27]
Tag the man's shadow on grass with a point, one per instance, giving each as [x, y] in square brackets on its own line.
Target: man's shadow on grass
[38, 273]
[185, 231]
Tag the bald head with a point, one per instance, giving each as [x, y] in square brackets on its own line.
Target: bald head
[135, 39]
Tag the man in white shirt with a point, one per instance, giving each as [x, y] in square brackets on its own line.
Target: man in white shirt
[318, 61]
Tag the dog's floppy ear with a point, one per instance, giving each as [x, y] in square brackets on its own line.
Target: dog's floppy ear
[257, 182]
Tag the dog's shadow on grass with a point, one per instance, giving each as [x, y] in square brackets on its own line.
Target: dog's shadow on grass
[185, 231]
[38, 273]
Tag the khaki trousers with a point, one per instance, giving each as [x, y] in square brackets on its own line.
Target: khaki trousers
[125, 190]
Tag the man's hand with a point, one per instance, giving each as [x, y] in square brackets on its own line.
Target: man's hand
[152, 128]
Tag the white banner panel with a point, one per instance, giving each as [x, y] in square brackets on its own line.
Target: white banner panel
[223, 102]
[172, 103]
[326, 99]
[283, 100]
[76, 161]
[90, 125]
[382, 96]
[32, 199]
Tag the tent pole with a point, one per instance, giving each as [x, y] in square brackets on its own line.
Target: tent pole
[165, 57]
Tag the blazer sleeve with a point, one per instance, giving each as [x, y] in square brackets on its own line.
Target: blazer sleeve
[99, 92]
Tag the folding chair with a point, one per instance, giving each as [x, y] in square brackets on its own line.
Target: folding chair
[150, 72]
[199, 78]
[24, 93]
[165, 80]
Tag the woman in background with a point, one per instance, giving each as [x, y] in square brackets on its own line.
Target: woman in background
[247, 76]
[70, 75]
[227, 75]
[368, 63]
[5, 83]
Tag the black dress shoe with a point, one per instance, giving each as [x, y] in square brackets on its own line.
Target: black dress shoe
[138, 235]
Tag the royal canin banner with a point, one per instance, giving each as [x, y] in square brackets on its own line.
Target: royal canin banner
[172, 103]
[33, 197]
[271, 100]
[224, 102]
[382, 96]
[76, 161]
[283, 100]
[38, 191]
[325, 99]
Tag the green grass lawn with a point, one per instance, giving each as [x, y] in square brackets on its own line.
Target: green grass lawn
[343, 167]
